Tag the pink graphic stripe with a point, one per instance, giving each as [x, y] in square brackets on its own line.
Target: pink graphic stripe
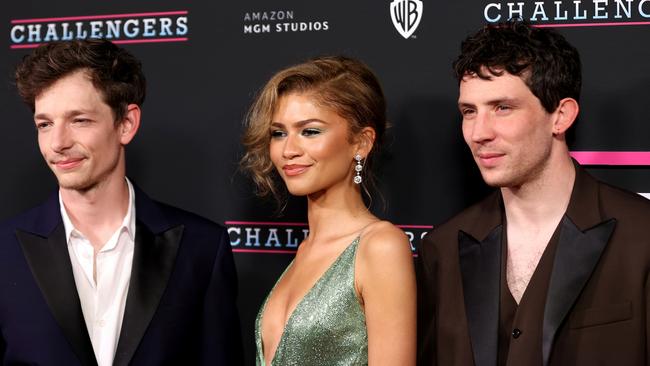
[612, 157]
[265, 223]
[122, 41]
[156, 40]
[18, 46]
[570, 25]
[275, 251]
[108, 16]
[269, 251]
[415, 226]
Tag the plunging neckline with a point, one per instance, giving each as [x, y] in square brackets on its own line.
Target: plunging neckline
[298, 304]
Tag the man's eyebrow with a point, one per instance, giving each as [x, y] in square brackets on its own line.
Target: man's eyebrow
[41, 116]
[495, 101]
[68, 114]
[501, 100]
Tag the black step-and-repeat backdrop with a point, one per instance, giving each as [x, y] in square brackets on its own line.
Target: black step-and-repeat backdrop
[204, 62]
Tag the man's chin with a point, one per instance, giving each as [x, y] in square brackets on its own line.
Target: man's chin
[75, 184]
[494, 180]
[494, 184]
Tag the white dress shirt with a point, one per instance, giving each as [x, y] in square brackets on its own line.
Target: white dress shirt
[103, 301]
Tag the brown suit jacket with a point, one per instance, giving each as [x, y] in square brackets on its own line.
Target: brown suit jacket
[598, 301]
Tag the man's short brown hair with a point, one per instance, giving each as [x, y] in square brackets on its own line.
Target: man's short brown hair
[116, 73]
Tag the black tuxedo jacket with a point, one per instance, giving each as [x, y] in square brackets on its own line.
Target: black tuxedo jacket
[597, 306]
[180, 308]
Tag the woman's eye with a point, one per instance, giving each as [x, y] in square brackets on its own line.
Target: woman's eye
[311, 131]
[277, 133]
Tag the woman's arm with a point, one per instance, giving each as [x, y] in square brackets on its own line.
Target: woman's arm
[385, 281]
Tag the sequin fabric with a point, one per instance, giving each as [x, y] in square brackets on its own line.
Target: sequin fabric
[328, 326]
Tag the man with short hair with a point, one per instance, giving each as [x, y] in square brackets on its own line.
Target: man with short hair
[552, 268]
[100, 274]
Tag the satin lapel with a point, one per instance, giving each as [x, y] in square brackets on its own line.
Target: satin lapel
[576, 257]
[153, 261]
[49, 262]
[480, 266]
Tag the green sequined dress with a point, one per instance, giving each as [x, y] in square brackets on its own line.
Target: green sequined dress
[328, 326]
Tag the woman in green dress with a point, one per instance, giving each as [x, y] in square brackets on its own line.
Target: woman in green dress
[348, 297]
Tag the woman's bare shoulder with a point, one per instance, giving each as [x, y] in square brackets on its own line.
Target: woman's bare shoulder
[382, 239]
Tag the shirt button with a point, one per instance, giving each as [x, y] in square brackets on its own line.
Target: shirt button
[101, 323]
[516, 333]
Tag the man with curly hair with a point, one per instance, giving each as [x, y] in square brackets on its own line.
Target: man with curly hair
[552, 268]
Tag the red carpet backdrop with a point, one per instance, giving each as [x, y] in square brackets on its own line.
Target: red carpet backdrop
[205, 61]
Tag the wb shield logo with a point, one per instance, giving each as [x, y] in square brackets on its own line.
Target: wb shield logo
[406, 15]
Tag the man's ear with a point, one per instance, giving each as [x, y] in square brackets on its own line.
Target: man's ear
[129, 125]
[365, 141]
[566, 114]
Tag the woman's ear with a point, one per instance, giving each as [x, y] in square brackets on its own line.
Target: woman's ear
[365, 141]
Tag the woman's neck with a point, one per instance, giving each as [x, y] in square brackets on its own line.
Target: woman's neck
[333, 213]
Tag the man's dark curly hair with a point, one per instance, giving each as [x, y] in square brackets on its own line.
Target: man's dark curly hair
[116, 73]
[546, 62]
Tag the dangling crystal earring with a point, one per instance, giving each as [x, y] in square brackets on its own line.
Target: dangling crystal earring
[358, 168]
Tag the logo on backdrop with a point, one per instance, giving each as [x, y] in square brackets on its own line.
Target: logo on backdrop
[152, 27]
[281, 21]
[284, 237]
[406, 16]
[572, 13]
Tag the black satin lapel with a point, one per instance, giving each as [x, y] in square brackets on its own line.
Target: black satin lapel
[153, 262]
[49, 262]
[576, 256]
[480, 266]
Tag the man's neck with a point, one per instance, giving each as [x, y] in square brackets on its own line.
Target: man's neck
[98, 212]
[533, 212]
[546, 198]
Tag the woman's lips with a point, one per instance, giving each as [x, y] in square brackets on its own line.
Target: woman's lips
[294, 169]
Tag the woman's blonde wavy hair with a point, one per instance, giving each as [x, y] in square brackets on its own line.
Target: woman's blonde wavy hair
[342, 84]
